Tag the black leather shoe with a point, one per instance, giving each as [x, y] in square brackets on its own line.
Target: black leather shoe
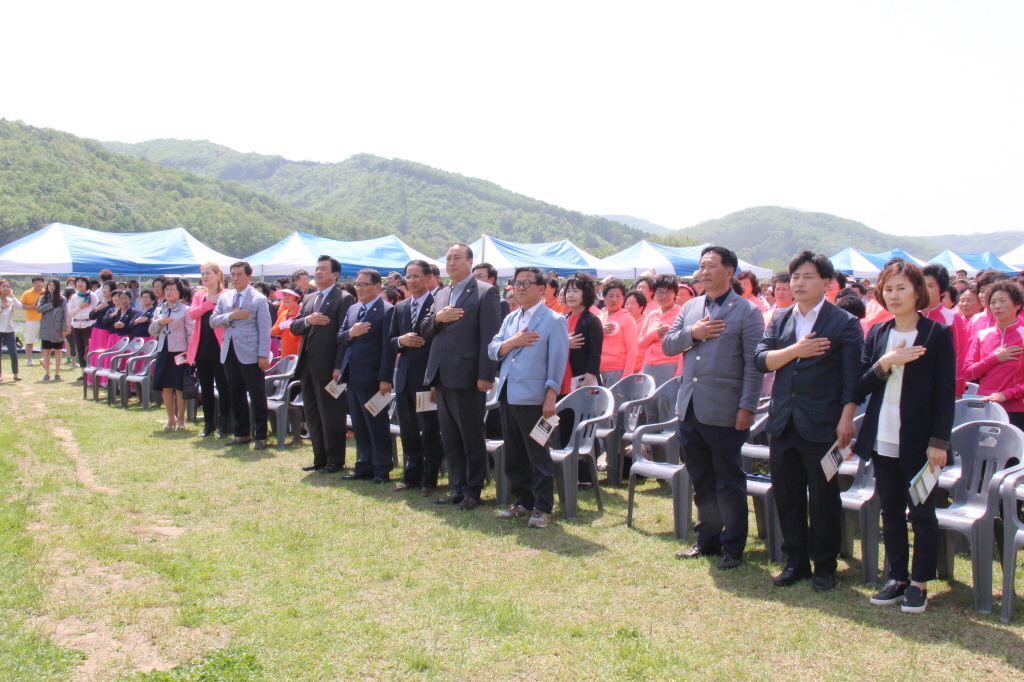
[379, 480]
[208, 432]
[824, 583]
[312, 467]
[467, 503]
[238, 441]
[260, 445]
[354, 477]
[454, 498]
[330, 470]
[729, 561]
[222, 435]
[791, 576]
[697, 551]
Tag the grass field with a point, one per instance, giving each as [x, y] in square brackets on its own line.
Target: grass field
[124, 549]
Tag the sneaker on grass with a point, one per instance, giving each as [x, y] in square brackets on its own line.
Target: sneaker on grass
[891, 593]
[916, 600]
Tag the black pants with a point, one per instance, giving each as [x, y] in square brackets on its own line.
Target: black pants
[373, 435]
[72, 348]
[460, 413]
[9, 339]
[209, 372]
[325, 421]
[245, 378]
[719, 482]
[80, 336]
[531, 473]
[893, 487]
[796, 476]
[1016, 418]
[421, 441]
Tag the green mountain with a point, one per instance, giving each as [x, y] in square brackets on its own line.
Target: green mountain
[51, 176]
[415, 200]
[639, 224]
[771, 236]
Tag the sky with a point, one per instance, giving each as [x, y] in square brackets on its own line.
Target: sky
[906, 116]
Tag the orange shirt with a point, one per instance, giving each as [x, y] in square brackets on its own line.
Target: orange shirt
[553, 304]
[620, 348]
[289, 342]
[650, 344]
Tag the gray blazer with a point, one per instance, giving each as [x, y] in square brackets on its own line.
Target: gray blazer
[251, 336]
[53, 322]
[718, 374]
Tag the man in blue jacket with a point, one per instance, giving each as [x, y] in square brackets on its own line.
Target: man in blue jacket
[533, 345]
[814, 349]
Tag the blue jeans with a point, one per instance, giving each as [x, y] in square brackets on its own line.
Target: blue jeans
[8, 339]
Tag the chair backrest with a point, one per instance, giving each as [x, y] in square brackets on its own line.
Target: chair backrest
[282, 371]
[295, 394]
[492, 397]
[972, 389]
[666, 396]
[119, 362]
[587, 403]
[767, 384]
[146, 352]
[974, 410]
[629, 388]
[984, 448]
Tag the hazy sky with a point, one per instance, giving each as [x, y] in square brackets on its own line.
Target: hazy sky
[906, 116]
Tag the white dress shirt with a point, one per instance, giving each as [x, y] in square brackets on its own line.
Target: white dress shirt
[805, 323]
[527, 315]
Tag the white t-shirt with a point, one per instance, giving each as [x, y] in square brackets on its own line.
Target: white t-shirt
[887, 441]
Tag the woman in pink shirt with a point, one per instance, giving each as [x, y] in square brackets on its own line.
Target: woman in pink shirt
[995, 360]
[619, 351]
[751, 289]
[204, 353]
[656, 364]
[636, 305]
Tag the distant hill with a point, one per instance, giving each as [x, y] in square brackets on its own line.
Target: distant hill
[434, 206]
[50, 176]
[639, 224]
[772, 235]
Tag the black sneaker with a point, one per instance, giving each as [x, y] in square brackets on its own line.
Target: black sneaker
[916, 600]
[892, 593]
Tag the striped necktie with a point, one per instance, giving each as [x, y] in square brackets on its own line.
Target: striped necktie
[415, 309]
[362, 313]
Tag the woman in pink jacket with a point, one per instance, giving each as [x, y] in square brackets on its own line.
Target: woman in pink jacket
[618, 355]
[995, 360]
[204, 353]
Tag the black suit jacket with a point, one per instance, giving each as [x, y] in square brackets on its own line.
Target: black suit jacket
[813, 391]
[412, 362]
[928, 398]
[587, 360]
[319, 352]
[364, 358]
[458, 355]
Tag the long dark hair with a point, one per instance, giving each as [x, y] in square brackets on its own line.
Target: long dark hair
[58, 300]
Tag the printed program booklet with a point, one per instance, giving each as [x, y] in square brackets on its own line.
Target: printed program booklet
[833, 458]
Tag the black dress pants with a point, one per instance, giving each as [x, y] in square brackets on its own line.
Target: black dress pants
[208, 373]
[893, 487]
[421, 441]
[81, 338]
[528, 465]
[460, 413]
[247, 378]
[373, 434]
[719, 482]
[796, 476]
[325, 421]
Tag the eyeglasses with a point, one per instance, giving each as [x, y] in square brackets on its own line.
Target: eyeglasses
[360, 285]
[664, 292]
[523, 284]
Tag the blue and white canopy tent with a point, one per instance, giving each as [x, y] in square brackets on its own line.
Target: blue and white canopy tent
[300, 250]
[1015, 259]
[859, 263]
[646, 257]
[564, 258]
[61, 249]
[973, 263]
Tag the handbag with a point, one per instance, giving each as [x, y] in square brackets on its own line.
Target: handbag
[190, 387]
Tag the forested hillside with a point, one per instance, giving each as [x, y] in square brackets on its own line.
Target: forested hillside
[50, 176]
[415, 200]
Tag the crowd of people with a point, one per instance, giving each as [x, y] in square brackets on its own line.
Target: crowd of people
[438, 349]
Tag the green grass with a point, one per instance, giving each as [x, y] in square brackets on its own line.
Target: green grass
[221, 666]
[319, 579]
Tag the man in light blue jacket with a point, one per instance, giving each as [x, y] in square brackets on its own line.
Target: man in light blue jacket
[533, 345]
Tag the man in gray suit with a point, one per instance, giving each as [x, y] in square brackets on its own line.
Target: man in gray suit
[463, 319]
[718, 393]
[245, 351]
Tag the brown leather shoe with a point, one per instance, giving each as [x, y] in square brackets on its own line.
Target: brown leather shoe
[539, 519]
[516, 511]
[427, 492]
[467, 503]
[403, 486]
[238, 441]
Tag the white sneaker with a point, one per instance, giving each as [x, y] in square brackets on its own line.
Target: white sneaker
[30, 363]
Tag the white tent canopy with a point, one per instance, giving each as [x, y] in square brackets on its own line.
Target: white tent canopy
[563, 257]
[300, 250]
[648, 258]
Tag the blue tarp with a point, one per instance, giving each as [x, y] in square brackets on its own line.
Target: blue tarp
[300, 250]
[564, 258]
[972, 262]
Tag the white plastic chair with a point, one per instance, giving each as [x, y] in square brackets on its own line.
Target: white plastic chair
[627, 392]
[1013, 535]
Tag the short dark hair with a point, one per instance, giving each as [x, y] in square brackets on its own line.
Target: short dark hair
[641, 300]
[469, 251]
[374, 276]
[262, 288]
[335, 264]
[987, 277]
[553, 283]
[435, 270]
[912, 273]
[37, 278]
[737, 286]
[954, 295]
[646, 280]
[839, 277]
[859, 287]
[284, 281]
[780, 278]
[183, 291]
[94, 283]
[301, 272]
[82, 278]
[666, 282]
[492, 272]
[1012, 290]
[940, 274]
[152, 294]
[585, 283]
[849, 301]
[819, 260]
[727, 256]
[159, 278]
[347, 286]
[755, 286]
[613, 283]
[242, 264]
[391, 293]
[423, 265]
[109, 284]
[538, 276]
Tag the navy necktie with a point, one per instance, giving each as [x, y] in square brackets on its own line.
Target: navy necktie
[362, 313]
[415, 308]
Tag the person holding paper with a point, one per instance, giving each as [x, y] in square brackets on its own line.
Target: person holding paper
[366, 370]
[717, 333]
[995, 359]
[462, 321]
[908, 372]
[204, 353]
[420, 431]
[533, 345]
[317, 324]
[814, 348]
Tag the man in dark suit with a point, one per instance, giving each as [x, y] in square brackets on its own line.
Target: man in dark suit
[319, 356]
[814, 348]
[485, 272]
[365, 370]
[421, 434]
[462, 321]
